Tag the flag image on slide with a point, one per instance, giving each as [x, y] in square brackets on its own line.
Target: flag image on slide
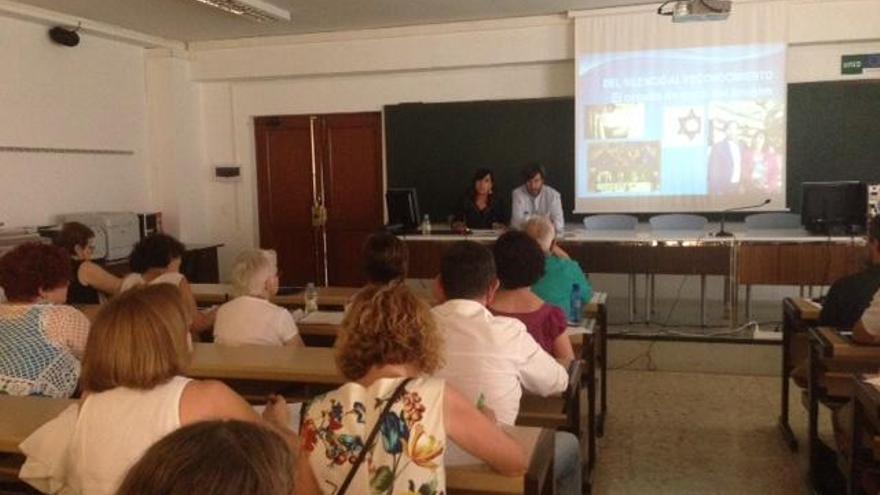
[684, 126]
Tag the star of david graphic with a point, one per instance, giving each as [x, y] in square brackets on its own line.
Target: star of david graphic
[690, 125]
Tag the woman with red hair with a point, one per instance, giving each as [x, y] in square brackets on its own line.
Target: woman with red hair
[41, 340]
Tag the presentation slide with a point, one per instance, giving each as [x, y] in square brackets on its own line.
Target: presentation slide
[681, 130]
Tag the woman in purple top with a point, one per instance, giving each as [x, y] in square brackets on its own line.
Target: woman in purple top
[519, 262]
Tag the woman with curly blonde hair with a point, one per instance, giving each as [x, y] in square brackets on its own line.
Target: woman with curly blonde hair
[391, 410]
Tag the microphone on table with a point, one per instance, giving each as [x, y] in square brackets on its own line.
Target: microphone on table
[723, 233]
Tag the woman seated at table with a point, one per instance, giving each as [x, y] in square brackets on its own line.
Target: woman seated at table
[478, 207]
[387, 345]
[560, 273]
[217, 457]
[41, 340]
[87, 279]
[135, 392]
[519, 262]
[156, 259]
[251, 318]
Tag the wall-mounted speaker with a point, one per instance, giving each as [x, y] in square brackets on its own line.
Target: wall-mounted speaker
[227, 173]
[64, 36]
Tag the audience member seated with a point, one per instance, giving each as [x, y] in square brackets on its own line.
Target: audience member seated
[156, 260]
[560, 274]
[387, 345]
[386, 258]
[217, 457]
[845, 305]
[849, 296]
[478, 207]
[251, 318]
[520, 263]
[867, 330]
[41, 340]
[135, 392]
[87, 279]
[490, 359]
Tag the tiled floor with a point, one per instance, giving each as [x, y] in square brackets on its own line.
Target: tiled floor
[692, 433]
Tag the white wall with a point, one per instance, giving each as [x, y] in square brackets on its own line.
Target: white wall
[91, 96]
[178, 168]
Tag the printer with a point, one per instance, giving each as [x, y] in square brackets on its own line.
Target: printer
[12, 237]
[116, 233]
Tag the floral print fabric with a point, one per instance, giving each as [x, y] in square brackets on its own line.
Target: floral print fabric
[407, 455]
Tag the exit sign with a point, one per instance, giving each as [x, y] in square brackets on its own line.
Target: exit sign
[859, 64]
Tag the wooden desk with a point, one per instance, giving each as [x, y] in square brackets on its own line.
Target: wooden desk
[567, 413]
[597, 309]
[538, 444]
[302, 365]
[798, 315]
[21, 416]
[833, 360]
[328, 297]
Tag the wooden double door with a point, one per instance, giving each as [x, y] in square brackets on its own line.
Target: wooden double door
[319, 193]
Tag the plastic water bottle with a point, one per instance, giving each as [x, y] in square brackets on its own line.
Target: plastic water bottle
[426, 225]
[311, 298]
[576, 305]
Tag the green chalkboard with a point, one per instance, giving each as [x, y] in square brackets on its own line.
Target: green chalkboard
[436, 147]
[833, 134]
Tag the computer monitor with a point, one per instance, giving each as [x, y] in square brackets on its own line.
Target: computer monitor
[403, 209]
[834, 208]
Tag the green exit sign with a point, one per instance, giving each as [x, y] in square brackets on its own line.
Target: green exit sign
[859, 64]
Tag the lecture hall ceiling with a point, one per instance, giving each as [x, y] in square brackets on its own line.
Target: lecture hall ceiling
[188, 20]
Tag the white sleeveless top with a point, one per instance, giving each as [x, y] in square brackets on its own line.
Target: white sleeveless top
[115, 428]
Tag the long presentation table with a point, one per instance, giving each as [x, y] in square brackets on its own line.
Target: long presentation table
[21, 416]
[748, 258]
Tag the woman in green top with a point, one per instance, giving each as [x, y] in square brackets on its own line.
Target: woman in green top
[560, 272]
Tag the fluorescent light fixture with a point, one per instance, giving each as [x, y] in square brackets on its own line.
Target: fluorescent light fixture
[257, 10]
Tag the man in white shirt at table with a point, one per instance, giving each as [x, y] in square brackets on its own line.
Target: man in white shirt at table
[536, 198]
[491, 358]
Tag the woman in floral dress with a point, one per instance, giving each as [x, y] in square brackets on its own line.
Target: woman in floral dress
[387, 347]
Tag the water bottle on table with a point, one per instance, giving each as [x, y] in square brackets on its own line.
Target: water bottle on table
[311, 297]
[576, 306]
[426, 225]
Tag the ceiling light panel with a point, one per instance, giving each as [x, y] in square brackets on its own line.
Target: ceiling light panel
[257, 10]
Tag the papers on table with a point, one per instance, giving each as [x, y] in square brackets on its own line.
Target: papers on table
[585, 328]
[324, 318]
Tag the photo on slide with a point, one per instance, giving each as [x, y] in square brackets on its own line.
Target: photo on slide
[616, 121]
[745, 139]
[625, 167]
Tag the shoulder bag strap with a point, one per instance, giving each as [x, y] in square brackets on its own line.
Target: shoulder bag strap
[368, 445]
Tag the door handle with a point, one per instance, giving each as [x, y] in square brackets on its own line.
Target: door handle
[319, 215]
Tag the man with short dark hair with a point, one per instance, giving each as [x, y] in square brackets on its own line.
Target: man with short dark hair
[386, 258]
[850, 296]
[490, 359]
[536, 198]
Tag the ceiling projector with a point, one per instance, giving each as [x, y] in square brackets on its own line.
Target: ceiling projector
[696, 10]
